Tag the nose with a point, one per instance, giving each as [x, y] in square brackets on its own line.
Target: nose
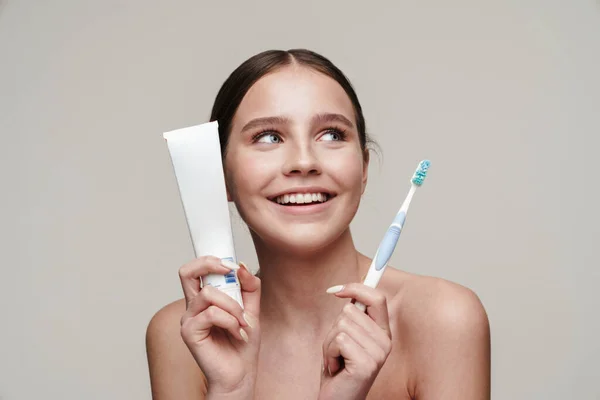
[302, 160]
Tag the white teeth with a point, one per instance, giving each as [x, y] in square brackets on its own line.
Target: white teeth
[302, 198]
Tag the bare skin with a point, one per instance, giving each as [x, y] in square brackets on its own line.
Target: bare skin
[421, 338]
[440, 348]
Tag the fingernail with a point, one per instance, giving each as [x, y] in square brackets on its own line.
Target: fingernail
[329, 370]
[249, 320]
[244, 335]
[245, 266]
[229, 264]
[335, 289]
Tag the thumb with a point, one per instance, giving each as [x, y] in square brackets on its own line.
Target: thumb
[250, 290]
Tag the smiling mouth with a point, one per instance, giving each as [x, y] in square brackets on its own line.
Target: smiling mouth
[302, 199]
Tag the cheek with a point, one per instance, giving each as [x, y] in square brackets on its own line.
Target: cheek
[347, 170]
[249, 172]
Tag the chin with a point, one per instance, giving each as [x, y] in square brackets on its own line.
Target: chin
[303, 234]
[301, 240]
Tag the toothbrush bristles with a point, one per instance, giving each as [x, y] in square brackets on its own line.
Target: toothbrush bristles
[420, 173]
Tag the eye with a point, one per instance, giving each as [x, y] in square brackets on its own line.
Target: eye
[267, 137]
[333, 135]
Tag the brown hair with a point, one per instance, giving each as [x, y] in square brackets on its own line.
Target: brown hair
[241, 80]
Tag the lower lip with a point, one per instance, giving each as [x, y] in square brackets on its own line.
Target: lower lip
[312, 208]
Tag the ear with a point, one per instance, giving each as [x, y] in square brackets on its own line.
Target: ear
[365, 177]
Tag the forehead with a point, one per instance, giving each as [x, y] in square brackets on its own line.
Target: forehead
[296, 92]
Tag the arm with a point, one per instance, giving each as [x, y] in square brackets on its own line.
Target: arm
[174, 374]
[453, 354]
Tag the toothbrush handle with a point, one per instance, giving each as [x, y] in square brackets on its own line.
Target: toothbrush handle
[384, 253]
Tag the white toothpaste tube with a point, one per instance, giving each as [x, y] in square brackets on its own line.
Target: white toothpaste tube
[196, 157]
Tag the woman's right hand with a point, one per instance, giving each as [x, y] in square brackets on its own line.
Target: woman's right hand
[223, 338]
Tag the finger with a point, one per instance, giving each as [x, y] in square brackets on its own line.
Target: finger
[352, 353]
[251, 287]
[198, 327]
[210, 296]
[374, 300]
[190, 274]
[377, 348]
[381, 336]
[335, 329]
[249, 282]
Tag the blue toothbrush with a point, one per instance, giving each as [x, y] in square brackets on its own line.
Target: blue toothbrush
[388, 244]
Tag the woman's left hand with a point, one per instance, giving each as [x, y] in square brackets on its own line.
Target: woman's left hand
[362, 341]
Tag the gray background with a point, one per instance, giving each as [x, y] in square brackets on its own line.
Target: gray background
[502, 96]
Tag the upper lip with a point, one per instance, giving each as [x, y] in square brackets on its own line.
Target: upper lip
[304, 189]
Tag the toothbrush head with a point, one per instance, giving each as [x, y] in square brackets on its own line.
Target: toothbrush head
[420, 173]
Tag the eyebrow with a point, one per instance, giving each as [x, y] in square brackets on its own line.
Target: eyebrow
[319, 118]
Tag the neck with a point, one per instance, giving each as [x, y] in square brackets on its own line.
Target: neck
[293, 286]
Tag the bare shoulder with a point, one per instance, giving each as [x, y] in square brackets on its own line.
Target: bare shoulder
[173, 371]
[164, 317]
[428, 302]
[164, 328]
[424, 305]
[444, 330]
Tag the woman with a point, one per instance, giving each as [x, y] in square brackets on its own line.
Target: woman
[296, 160]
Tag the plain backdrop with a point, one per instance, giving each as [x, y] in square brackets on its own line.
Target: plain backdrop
[502, 96]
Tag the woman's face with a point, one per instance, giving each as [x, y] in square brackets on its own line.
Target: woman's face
[294, 165]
